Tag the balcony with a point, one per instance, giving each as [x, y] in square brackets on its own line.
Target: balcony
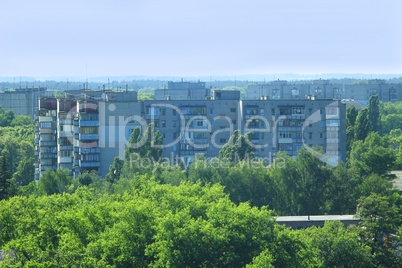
[36, 153]
[192, 152]
[65, 134]
[76, 149]
[332, 129]
[65, 147]
[36, 141]
[48, 155]
[45, 167]
[89, 150]
[89, 123]
[47, 143]
[65, 160]
[90, 164]
[155, 116]
[65, 121]
[298, 116]
[199, 141]
[88, 137]
[285, 140]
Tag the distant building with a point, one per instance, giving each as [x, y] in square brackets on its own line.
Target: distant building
[302, 222]
[183, 91]
[23, 101]
[86, 130]
[324, 89]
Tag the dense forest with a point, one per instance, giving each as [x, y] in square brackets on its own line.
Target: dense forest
[209, 214]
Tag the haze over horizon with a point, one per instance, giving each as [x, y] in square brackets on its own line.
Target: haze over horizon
[196, 39]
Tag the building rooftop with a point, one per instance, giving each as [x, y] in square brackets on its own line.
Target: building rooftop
[317, 218]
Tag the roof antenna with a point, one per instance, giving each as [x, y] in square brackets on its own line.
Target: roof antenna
[126, 88]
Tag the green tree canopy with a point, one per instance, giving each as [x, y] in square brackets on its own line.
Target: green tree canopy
[362, 125]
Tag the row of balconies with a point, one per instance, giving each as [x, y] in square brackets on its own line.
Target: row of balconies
[47, 143]
[89, 150]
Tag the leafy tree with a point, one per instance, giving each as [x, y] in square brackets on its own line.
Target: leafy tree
[6, 117]
[372, 156]
[86, 178]
[5, 179]
[21, 120]
[381, 226]
[362, 125]
[25, 171]
[351, 116]
[238, 148]
[391, 122]
[115, 170]
[143, 147]
[336, 246]
[54, 182]
[374, 113]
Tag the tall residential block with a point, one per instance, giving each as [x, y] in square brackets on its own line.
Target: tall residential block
[88, 130]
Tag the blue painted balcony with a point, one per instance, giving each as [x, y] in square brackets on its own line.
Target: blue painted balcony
[88, 137]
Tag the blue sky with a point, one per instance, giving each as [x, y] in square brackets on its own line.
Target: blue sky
[199, 38]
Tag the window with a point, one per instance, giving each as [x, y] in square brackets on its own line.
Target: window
[156, 123]
[88, 130]
[331, 111]
[222, 140]
[200, 123]
[211, 111]
[174, 147]
[284, 111]
[262, 111]
[321, 111]
[310, 135]
[262, 123]
[321, 124]
[234, 122]
[174, 112]
[262, 136]
[152, 111]
[174, 123]
[273, 111]
[232, 110]
[163, 123]
[321, 136]
[45, 125]
[297, 111]
[310, 111]
[285, 135]
[163, 111]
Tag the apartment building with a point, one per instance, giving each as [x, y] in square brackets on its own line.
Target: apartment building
[87, 131]
[281, 89]
[183, 91]
[362, 93]
[23, 101]
[324, 89]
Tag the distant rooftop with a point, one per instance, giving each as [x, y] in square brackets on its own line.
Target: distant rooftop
[185, 85]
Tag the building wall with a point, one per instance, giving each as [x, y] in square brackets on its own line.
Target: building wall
[183, 91]
[23, 101]
[323, 89]
[189, 127]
